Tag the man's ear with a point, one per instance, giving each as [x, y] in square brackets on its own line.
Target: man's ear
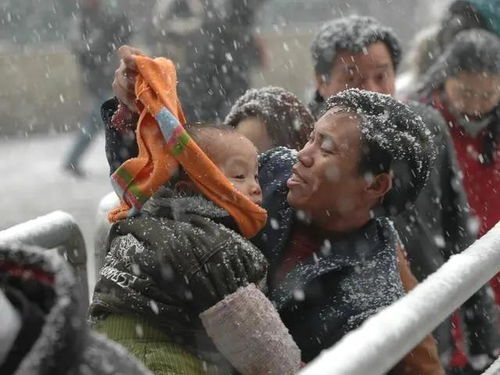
[379, 185]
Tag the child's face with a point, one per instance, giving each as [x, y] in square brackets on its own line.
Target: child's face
[473, 94]
[237, 158]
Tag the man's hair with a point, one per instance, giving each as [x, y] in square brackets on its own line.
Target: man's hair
[393, 138]
[354, 34]
[287, 120]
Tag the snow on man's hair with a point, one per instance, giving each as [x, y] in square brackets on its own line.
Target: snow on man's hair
[354, 34]
[393, 138]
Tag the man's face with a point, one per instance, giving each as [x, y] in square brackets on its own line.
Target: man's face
[326, 182]
[473, 94]
[371, 70]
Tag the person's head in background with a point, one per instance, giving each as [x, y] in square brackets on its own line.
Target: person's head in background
[467, 74]
[465, 15]
[232, 153]
[271, 117]
[355, 52]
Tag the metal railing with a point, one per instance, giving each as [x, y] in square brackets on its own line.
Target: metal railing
[385, 338]
[55, 231]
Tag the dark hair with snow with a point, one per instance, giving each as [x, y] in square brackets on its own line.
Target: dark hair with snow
[287, 120]
[354, 34]
[393, 138]
[473, 51]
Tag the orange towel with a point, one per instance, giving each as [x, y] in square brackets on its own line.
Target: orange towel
[164, 144]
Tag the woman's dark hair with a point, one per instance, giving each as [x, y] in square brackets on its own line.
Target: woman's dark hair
[393, 138]
[287, 120]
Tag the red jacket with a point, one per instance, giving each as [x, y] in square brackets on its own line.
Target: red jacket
[481, 181]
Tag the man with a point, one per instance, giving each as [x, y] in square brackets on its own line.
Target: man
[327, 225]
[359, 52]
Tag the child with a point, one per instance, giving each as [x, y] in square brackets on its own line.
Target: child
[271, 117]
[141, 303]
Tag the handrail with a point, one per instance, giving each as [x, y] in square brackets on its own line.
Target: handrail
[56, 230]
[494, 369]
[385, 338]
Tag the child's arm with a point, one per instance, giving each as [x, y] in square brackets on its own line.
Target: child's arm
[248, 331]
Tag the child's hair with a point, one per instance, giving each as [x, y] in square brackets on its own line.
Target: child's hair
[287, 120]
[199, 132]
[473, 51]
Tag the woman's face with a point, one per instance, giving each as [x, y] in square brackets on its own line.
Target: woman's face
[255, 130]
[473, 94]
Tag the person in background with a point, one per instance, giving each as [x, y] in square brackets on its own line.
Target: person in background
[219, 58]
[464, 85]
[174, 22]
[360, 52]
[430, 43]
[98, 35]
[271, 117]
[44, 330]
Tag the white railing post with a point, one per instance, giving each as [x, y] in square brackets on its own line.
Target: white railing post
[56, 230]
[385, 338]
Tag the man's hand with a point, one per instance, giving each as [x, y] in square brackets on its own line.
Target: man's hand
[125, 75]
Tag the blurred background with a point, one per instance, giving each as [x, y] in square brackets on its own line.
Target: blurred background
[41, 89]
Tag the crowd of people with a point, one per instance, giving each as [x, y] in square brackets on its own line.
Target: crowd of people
[255, 231]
